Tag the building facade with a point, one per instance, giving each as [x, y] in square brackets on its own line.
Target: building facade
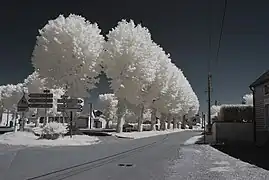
[260, 90]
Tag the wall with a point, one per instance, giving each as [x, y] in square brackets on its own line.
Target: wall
[259, 108]
[232, 131]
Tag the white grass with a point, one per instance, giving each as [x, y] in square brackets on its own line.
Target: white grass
[29, 139]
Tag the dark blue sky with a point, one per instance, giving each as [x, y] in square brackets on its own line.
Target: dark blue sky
[180, 27]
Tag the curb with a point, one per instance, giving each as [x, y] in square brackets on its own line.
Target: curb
[124, 137]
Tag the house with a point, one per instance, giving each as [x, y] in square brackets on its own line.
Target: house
[260, 90]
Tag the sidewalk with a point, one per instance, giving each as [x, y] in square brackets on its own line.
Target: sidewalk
[247, 153]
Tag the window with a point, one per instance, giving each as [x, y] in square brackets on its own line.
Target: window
[266, 89]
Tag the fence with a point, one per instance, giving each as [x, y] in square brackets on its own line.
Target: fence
[232, 132]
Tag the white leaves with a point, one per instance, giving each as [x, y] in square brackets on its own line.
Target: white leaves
[248, 99]
[130, 60]
[11, 94]
[54, 128]
[215, 110]
[67, 54]
[34, 83]
[108, 105]
[142, 72]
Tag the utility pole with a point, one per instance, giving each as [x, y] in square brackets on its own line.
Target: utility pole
[209, 89]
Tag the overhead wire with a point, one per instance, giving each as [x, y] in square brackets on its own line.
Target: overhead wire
[221, 30]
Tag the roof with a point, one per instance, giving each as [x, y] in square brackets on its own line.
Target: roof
[261, 80]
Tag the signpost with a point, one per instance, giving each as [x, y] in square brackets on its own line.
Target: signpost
[71, 105]
[41, 100]
[22, 107]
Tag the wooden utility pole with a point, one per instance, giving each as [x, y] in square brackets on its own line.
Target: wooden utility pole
[209, 89]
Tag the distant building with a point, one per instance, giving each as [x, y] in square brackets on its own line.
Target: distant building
[260, 90]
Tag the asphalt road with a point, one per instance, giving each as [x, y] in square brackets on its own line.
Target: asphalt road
[160, 158]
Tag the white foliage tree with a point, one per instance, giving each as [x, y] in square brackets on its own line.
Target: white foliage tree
[108, 105]
[155, 91]
[67, 54]
[128, 61]
[248, 99]
[215, 110]
[168, 94]
[34, 83]
[11, 96]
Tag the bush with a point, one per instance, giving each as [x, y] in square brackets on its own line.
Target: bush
[53, 130]
[236, 113]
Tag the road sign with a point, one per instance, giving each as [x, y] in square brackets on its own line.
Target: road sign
[62, 110]
[70, 101]
[40, 100]
[22, 104]
[40, 105]
[41, 95]
[22, 109]
[67, 106]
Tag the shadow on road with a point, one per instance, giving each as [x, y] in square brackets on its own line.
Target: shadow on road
[247, 153]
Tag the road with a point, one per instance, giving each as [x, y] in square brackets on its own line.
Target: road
[160, 158]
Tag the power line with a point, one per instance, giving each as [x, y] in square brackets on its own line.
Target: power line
[221, 29]
[209, 34]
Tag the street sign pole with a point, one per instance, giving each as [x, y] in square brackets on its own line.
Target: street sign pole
[22, 122]
[71, 123]
[46, 91]
[91, 115]
[64, 97]
[203, 119]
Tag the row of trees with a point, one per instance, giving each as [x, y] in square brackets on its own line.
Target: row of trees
[71, 52]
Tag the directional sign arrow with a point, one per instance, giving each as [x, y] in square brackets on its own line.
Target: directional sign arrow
[40, 95]
[70, 101]
[62, 110]
[19, 109]
[64, 96]
[40, 100]
[62, 106]
[40, 105]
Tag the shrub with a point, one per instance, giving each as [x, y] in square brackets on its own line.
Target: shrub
[53, 130]
[236, 113]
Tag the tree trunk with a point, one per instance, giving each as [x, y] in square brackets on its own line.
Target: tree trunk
[153, 119]
[163, 118]
[107, 124]
[120, 116]
[183, 123]
[190, 122]
[174, 122]
[140, 118]
[7, 117]
[178, 122]
[169, 119]
[1, 114]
